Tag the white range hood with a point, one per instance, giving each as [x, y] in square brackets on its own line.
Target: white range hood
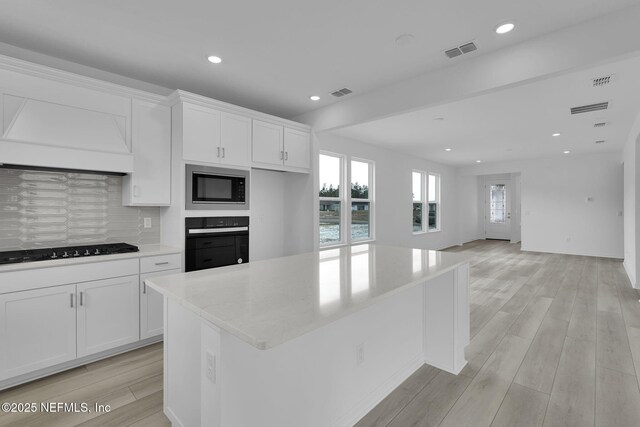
[47, 134]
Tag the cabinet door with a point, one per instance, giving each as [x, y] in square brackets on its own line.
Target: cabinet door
[150, 182]
[297, 148]
[267, 143]
[37, 329]
[108, 314]
[151, 306]
[200, 133]
[235, 139]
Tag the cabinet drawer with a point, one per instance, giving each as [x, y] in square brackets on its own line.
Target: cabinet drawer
[159, 263]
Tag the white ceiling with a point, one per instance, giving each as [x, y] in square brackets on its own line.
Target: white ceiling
[518, 122]
[276, 53]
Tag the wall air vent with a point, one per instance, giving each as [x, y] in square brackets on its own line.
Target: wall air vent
[602, 80]
[588, 108]
[341, 92]
[459, 50]
[599, 124]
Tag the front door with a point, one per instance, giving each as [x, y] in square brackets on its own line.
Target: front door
[497, 219]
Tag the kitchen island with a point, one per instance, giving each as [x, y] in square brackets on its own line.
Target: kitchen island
[315, 339]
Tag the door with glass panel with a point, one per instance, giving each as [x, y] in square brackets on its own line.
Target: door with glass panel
[497, 218]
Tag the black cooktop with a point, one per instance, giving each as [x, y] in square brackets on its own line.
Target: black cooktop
[30, 255]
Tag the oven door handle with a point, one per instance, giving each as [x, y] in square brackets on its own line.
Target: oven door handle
[216, 230]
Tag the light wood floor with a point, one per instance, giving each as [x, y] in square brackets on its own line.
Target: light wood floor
[555, 342]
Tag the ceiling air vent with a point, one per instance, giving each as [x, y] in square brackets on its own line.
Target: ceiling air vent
[459, 50]
[341, 92]
[602, 80]
[599, 124]
[600, 141]
[588, 108]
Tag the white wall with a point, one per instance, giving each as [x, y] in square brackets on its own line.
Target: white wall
[393, 194]
[631, 157]
[555, 214]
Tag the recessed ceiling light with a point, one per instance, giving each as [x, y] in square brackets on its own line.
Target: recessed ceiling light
[314, 98]
[447, 149]
[556, 134]
[478, 161]
[214, 59]
[404, 40]
[505, 28]
[566, 152]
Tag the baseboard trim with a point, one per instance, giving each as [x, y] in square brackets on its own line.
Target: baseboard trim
[376, 396]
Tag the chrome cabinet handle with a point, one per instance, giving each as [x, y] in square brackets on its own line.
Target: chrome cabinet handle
[218, 148]
[71, 295]
[81, 298]
[286, 155]
[162, 263]
[144, 287]
[223, 154]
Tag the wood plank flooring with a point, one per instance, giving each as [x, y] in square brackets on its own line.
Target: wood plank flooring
[131, 383]
[555, 342]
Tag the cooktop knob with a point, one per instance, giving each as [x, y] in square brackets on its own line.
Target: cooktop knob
[65, 255]
[76, 253]
[97, 252]
[54, 255]
[240, 261]
[87, 253]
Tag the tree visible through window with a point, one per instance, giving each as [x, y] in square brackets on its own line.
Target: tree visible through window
[334, 220]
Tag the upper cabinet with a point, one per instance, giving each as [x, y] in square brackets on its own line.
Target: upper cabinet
[279, 147]
[150, 182]
[213, 136]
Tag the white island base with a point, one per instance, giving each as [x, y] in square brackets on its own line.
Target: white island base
[330, 376]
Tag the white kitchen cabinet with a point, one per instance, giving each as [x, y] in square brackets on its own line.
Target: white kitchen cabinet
[150, 182]
[297, 148]
[200, 133]
[151, 306]
[279, 147]
[108, 314]
[212, 136]
[37, 329]
[235, 139]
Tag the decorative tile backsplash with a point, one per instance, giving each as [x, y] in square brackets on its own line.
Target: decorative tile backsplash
[45, 209]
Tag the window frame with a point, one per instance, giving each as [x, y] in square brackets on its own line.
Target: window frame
[341, 198]
[345, 200]
[370, 200]
[424, 202]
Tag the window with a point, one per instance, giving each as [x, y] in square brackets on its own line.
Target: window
[330, 199]
[426, 202]
[360, 200]
[337, 223]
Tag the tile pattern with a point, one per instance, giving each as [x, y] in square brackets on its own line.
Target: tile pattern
[45, 209]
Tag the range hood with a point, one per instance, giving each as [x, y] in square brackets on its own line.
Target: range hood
[50, 135]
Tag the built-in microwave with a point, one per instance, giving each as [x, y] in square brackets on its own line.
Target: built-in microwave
[216, 188]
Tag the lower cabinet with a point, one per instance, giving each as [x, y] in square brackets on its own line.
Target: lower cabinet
[37, 329]
[151, 306]
[107, 314]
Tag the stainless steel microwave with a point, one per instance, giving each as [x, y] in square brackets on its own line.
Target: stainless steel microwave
[216, 188]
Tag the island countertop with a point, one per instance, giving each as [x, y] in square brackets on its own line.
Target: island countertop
[266, 303]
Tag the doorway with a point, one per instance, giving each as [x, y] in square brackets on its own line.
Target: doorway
[497, 218]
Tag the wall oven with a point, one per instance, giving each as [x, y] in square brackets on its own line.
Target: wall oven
[216, 241]
[216, 188]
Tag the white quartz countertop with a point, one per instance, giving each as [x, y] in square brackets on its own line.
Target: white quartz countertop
[144, 251]
[266, 303]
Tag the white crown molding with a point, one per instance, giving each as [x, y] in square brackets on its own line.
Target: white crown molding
[192, 98]
[42, 71]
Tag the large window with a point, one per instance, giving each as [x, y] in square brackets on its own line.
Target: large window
[426, 202]
[331, 171]
[338, 224]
